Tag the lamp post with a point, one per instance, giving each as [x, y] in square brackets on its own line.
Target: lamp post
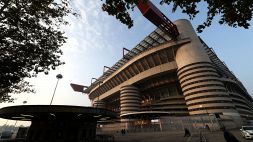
[208, 115]
[58, 76]
[205, 109]
[202, 117]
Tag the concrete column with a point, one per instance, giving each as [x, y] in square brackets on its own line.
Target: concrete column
[129, 99]
[203, 90]
[192, 52]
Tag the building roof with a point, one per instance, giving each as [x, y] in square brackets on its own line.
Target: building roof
[42, 112]
[155, 38]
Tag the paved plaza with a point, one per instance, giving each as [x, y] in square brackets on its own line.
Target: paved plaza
[175, 136]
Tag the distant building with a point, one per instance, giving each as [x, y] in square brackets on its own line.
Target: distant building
[180, 78]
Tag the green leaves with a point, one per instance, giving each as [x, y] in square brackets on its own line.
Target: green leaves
[234, 13]
[30, 41]
[119, 9]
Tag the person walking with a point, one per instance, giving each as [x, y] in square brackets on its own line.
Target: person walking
[186, 133]
[122, 132]
[229, 137]
[207, 127]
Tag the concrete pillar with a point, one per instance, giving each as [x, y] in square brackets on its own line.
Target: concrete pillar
[203, 90]
[129, 99]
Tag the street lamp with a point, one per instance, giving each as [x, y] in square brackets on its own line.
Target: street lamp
[58, 76]
[202, 117]
[200, 106]
[208, 116]
[204, 108]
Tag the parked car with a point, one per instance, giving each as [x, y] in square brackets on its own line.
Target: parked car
[247, 132]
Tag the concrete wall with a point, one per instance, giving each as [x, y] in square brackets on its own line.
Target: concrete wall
[201, 86]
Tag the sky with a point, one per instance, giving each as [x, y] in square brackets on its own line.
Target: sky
[96, 40]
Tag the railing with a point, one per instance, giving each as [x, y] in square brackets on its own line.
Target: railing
[169, 123]
[13, 140]
[202, 138]
[104, 138]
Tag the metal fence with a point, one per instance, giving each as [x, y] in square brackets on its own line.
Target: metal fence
[104, 138]
[193, 123]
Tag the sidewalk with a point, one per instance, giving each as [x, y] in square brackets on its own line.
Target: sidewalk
[174, 136]
[218, 136]
[152, 137]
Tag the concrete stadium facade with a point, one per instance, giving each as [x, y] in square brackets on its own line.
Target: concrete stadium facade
[179, 77]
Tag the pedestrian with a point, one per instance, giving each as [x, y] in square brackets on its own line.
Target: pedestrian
[186, 133]
[122, 132]
[229, 137]
[207, 127]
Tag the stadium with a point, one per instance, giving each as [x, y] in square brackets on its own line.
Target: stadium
[167, 77]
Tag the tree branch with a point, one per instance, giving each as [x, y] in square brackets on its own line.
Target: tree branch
[4, 6]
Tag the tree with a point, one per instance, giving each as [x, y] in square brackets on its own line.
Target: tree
[234, 13]
[30, 41]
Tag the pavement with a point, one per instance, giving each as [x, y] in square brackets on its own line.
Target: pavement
[218, 136]
[151, 137]
[175, 136]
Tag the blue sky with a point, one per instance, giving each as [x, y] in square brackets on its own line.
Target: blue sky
[96, 39]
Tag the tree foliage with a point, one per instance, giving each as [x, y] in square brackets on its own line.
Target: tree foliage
[30, 41]
[235, 13]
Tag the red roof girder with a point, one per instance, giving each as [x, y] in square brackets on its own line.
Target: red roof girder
[154, 15]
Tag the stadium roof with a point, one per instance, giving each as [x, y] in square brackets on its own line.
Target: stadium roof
[155, 38]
